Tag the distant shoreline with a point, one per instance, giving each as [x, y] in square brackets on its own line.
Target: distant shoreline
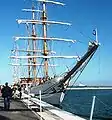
[89, 87]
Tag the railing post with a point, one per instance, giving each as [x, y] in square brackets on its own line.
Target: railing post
[92, 108]
[40, 106]
[28, 97]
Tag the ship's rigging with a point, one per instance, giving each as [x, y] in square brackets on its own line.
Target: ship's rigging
[32, 52]
[37, 54]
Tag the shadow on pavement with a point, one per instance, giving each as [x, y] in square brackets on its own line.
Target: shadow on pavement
[11, 110]
[4, 118]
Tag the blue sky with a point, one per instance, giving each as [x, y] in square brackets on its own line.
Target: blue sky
[85, 15]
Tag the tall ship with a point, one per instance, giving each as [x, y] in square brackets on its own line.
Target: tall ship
[34, 59]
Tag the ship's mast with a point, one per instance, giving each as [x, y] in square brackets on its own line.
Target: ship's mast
[29, 75]
[28, 54]
[34, 43]
[45, 50]
[33, 37]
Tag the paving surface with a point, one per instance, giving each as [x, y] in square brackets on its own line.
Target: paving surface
[18, 111]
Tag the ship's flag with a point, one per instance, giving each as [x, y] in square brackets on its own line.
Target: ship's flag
[94, 32]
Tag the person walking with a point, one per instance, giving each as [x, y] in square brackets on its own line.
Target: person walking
[6, 94]
[20, 92]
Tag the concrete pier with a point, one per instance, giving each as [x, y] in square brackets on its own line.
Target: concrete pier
[50, 112]
[28, 109]
[18, 111]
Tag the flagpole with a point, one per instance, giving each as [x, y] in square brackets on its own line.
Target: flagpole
[96, 35]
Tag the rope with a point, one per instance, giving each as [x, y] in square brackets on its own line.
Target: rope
[85, 35]
[69, 108]
[104, 104]
[99, 63]
[54, 73]
[39, 68]
[81, 70]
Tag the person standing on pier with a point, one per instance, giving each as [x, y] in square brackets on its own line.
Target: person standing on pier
[20, 92]
[6, 94]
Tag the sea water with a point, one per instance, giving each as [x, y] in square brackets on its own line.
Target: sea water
[80, 101]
